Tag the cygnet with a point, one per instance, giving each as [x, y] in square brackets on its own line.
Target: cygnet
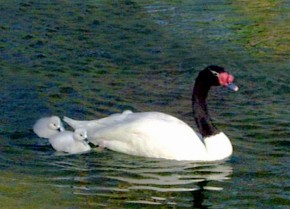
[46, 127]
[70, 142]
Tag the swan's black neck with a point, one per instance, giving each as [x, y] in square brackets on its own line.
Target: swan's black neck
[199, 107]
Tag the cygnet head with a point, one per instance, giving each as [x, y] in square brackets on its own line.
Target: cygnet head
[80, 134]
[55, 123]
[48, 126]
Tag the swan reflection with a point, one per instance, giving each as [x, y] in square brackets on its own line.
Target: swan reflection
[177, 177]
[142, 181]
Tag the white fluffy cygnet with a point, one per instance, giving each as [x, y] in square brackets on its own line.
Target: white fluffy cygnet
[70, 142]
[46, 127]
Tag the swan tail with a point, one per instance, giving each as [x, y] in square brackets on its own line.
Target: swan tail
[73, 123]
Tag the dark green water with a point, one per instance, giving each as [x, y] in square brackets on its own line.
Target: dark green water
[88, 59]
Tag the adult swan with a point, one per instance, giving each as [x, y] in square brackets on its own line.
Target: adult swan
[159, 135]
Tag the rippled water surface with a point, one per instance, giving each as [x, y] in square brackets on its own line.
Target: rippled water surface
[88, 59]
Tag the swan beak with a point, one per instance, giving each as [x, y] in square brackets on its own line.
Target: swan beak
[233, 87]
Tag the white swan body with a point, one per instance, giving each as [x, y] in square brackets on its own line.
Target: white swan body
[154, 134]
[48, 126]
[70, 142]
[158, 135]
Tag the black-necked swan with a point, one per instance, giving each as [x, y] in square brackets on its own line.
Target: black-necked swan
[70, 142]
[47, 126]
[159, 135]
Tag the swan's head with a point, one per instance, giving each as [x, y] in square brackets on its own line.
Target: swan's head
[217, 76]
[80, 134]
[55, 123]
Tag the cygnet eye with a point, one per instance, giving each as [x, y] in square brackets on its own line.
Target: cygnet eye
[52, 125]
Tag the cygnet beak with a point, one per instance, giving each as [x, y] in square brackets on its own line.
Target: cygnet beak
[60, 129]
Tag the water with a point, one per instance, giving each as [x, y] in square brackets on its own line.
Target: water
[90, 59]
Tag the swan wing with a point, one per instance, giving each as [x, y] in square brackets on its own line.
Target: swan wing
[99, 123]
[149, 134]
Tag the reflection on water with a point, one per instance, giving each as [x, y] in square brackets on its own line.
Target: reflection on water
[88, 59]
[105, 178]
[139, 180]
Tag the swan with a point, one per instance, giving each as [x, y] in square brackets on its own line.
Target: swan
[48, 126]
[159, 135]
[70, 142]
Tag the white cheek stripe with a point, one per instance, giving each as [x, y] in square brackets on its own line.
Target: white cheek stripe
[215, 73]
